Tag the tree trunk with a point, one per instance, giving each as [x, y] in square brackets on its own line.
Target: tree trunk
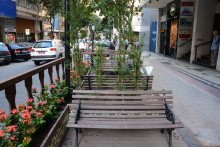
[38, 10]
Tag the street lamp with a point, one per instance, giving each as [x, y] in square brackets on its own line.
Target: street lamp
[93, 28]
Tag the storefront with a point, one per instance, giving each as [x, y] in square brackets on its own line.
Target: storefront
[21, 25]
[10, 35]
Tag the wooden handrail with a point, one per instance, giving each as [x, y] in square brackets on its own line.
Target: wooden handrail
[9, 84]
[185, 42]
[199, 45]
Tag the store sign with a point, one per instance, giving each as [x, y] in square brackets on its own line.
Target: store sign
[186, 23]
[172, 9]
[199, 39]
[45, 33]
[10, 30]
[185, 33]
[27, 31]
[187, 9]
[184, 39]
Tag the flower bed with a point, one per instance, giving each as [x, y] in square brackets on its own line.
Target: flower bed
[28, 118]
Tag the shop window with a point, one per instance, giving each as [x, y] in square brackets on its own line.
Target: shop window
[20, 37]
[9, 22]
[164, 11]
[20, 3]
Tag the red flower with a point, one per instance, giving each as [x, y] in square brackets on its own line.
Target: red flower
[42, 95]
[2, 134]
[39, 103]
[41, 110]
[26, 115]
[56, 80]
[45, 103]
[34, 89]
[24, 111]
[14, 111]
[39, 115]
[62, 99]
[30, 101]
[3, 117]
[45, 109]
[59, 100]
[87, 66]
[11, 129]
[12, 138]
[2, 112]
[71, 71]
[29, 107]
[21, 106]
[71, 77]
[52, 86]
[77, 76]
[27, 121]
[33, 111]
[26, 139]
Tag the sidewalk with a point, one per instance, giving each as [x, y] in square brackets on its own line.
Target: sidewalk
[196, 93]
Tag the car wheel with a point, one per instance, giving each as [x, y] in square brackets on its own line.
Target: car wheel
[7, 63]
[37, 62]
[25, 59]
[60, 56]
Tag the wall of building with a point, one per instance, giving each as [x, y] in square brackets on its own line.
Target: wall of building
[203, 27]
[150, 15]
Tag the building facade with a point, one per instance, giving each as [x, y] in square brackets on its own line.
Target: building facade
[185, 29]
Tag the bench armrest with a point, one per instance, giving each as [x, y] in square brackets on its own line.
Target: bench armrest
[169, 113]
[77, 115]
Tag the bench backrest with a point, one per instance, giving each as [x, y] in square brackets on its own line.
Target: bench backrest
[89, 82]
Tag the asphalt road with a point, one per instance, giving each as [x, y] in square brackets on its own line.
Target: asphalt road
[17, 67]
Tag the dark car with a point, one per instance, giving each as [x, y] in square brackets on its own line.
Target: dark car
[111, 46]
[27, 45]
[5, 56]
[18, 52]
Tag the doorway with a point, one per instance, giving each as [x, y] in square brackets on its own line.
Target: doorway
[162, 38]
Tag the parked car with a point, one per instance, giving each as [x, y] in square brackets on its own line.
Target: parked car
[27, 45]
[110, 45]
[18, 52]
[46, 50]
[5, 55]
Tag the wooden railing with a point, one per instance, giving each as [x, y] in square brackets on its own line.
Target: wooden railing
[185, 42]
[9, 84]
[199, 45]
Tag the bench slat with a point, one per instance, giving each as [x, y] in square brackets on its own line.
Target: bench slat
[120, 97]
[113, 119]
[122, 112]
[122, 92]
[122, 116]
[122, 107]
[120, 102]
[121, 127]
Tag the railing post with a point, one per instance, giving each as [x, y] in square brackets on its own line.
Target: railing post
[57, 69]
[195, 52]
[41, 77]
[28, 85]
[50, 71]
[63, 70]
[10, 93]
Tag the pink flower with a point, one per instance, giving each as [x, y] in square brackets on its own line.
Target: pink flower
[34, 89]
[56, 80]
[2, 134]
[41, 110]
[39, 103]
[33, 111]
[39, 115]
[21, 106]
[27, 121]
[25, 115]
[71, 77]
[45, 103]
[59, 100]
[3, 117]
[14, 111]
[26, 139]
[29, 107]
[2, 112]
[11, 129]
[71, 71]
[52, 86]
[12, 138]
[30, 101]
[58, 91]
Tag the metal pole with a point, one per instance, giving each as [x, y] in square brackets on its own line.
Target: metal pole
[92, 48]
[67, 52]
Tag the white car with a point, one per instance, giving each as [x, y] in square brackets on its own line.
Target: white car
[47, 50]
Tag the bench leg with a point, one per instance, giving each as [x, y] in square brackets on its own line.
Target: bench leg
[170, 137]
[80, 131]
[162, 131]
[76, 141]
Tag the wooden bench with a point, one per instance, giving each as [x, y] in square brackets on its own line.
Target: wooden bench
[89, 82]
[123, 110]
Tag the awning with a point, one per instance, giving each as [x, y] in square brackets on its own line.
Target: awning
[8, 8]
[155, 3]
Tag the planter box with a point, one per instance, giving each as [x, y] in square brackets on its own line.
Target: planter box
[59, 130]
